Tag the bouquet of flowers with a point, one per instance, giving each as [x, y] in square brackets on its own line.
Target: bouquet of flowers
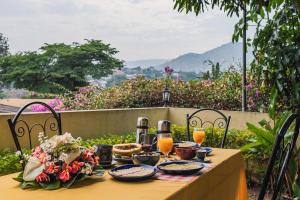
[57, 162]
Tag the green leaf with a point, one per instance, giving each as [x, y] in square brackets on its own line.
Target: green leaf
[274, 94]
[292, 167]
[296, 189]
[264, 137]
[29, 184]
[51, 185]
[19, 178]
[247, 147]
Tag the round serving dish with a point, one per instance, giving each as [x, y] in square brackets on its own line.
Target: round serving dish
[180, 171]
[147, 158]
[126, 149]
[152, 169]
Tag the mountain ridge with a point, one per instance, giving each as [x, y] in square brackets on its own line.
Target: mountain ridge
[226, 54]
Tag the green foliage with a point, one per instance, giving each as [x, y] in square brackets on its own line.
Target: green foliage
[276, 42]
[57, 68]
[223, 93]
[215, 71]
[110, 139]
[261, 146]
[9, 162]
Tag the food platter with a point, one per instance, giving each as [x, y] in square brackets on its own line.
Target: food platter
[180, 167]
[132, 172]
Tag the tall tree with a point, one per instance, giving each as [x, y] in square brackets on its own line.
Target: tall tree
[276, 42]
[4, 47]
[215, 71]
[56, 68]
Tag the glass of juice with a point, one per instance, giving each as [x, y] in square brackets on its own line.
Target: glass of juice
[199, 135]
[165, 143]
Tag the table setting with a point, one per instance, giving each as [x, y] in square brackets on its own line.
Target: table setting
[159, 157]
[174, 169]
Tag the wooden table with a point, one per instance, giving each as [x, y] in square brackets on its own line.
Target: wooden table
[225, 180]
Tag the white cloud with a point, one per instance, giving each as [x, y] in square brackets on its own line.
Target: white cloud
[139, 29]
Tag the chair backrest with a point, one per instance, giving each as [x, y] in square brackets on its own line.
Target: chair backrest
[281, 154]
[197, 119]
[20, 127]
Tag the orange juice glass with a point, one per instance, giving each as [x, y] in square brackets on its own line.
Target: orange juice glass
[165, 143]
[199, 135]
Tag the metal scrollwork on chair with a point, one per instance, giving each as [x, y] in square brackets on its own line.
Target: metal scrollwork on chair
[20, 127]
[221, 121]
[281, 154]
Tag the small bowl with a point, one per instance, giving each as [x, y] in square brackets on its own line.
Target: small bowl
[201, 154]
[185, 153]
[147, 158]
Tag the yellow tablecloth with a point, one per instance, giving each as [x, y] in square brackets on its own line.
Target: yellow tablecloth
[225, 180]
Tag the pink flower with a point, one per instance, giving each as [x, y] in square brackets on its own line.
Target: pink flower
[76, 166]
[64, 175]
[88, 155]
[43, 177]
[52, 169]
[55, 103]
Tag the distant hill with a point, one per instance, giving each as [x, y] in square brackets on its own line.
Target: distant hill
[225, 54]
[145, 63]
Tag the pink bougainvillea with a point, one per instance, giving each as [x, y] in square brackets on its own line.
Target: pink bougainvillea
[55, 103]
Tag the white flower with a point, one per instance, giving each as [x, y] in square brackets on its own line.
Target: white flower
[18, 153]
[87, 169]
[32, 169]
[41, 137]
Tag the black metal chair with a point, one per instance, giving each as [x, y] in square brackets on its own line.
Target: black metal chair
[19, 127]
[221, 121]
[281, 154]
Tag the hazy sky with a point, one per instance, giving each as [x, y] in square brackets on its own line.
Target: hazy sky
[139, 29]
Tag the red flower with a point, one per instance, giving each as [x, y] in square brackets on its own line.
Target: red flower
[76, 166]
[52, 169]
[88, 156]
[64, 175]
[43, 177]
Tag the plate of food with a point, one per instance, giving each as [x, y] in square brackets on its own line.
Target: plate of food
[133, 172]
[180, 167]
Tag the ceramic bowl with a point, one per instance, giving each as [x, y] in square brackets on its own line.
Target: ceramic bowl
[201, 154]
[185, 153]
[147, 158]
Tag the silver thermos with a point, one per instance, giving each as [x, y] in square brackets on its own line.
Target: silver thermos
[141, 129]
[163, 126]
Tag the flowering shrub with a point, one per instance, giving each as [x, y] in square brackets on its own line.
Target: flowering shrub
[55, 103]
[58, 162]
[224, 93]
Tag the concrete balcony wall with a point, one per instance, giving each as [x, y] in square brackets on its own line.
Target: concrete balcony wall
[96, 123]
[238, 119]
[86, 124]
